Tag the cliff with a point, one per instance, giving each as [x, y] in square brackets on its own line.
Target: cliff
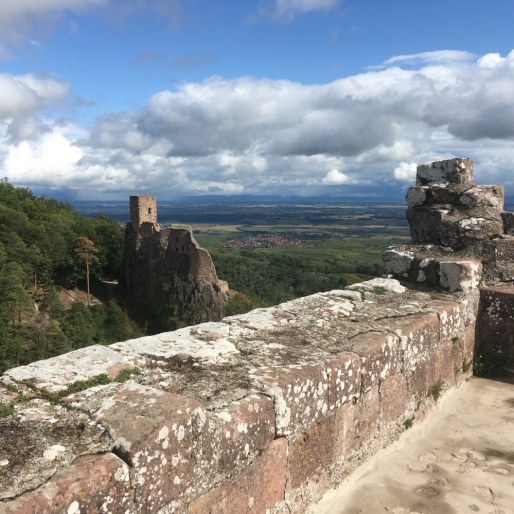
[166, 271]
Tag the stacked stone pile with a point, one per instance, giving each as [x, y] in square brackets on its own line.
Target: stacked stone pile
[460, 233]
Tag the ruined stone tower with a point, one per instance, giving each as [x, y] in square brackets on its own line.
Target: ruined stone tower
[143, 209]
[167, 272]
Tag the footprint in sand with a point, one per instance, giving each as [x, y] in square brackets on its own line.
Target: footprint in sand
[485, 492]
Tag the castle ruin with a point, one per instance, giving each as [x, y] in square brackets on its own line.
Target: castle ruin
[167, 267]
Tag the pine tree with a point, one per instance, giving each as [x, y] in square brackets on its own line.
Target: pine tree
[86, 251]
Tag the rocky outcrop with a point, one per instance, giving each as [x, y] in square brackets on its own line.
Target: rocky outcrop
[167, 273]
[461, 235]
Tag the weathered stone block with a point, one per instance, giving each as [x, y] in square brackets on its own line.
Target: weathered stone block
[344, 379]
[300, 396]
[93, 483]
[253, 491]
[508, 222]
[419, 335]
[460, 275]
[441, 366]
[156, 431]
[394, 398]
[397, 263]
[450, 317]
[452, 171]
[490, 197]
[417, 380]
[444, 225]
[360, 421]
[240, 430]
[312, 452]
[496, 321]
[503, 258]
[379, 353]
[57, 373]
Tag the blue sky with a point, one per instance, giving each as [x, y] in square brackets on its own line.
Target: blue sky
[100, 99]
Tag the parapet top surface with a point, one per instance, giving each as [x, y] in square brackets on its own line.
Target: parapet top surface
[215, 362]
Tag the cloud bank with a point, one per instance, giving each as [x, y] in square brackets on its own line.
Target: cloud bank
[251, 136]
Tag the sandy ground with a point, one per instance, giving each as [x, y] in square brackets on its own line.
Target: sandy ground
[461, 460]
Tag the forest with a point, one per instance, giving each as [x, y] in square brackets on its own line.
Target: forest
[39, 259]
[49, 250]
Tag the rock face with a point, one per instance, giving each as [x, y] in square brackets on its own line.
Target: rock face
[460, 233]
[167, 272]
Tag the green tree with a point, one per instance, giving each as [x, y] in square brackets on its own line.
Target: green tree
[78, 326]
[86, 251]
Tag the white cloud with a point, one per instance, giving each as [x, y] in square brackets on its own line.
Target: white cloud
[424, 58]
[405, 172]
[335, 178]
[270, 137]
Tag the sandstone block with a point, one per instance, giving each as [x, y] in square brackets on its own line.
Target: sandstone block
[394, 398]
[490, 197]
[360, 421]
[501, 256]
[156, 432]
[419, 335]
[240, 430]
[300, 396]
[57, 373]
[254, 491]
[508, 222]
[417, 380]
[450, 317]
[447, 226]
[496, 321]
[344, 379]
[397, 263]
[93, 483]
[460, 275]
[452, 171]
[441, 366]
[380, 357]
[312, 451]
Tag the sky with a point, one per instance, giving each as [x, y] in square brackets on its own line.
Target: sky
[101, 99]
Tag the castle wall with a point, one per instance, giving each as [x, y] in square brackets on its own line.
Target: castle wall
[496, 322]
[168, 267]
[255, 412]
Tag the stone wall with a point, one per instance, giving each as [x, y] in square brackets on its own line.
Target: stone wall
[462, 240]
[265, 410]
[461, 235]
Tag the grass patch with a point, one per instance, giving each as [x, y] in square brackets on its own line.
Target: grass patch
[436, 390]
[6, 410]
[125, 374]
[408, 423]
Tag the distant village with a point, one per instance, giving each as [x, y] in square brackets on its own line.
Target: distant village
[270, 240]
